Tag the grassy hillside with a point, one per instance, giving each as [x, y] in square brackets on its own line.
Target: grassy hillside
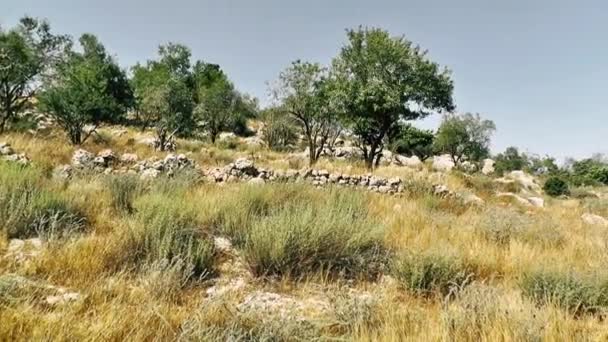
[116, 257]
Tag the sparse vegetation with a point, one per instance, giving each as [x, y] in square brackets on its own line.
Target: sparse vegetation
[141, 244]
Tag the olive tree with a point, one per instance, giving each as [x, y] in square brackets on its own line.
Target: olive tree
[381, 80]
[28, 55]
[302, 91]
[164, 95]
[89, 89]
[411, 141]
[465, 136]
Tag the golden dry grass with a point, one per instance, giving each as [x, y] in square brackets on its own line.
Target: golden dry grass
[122, 301]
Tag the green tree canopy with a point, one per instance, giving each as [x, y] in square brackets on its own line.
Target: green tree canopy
[411, 141]
[465, 136]
[89, 89]
[164, 94]
[28, 54]
[302, 92]
[381, 80]
[511, 159]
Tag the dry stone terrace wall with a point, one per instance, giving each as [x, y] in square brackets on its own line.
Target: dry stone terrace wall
[242, 170]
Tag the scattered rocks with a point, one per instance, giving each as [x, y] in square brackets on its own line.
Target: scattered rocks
[8, 153]
[23, 250]
[594, 220]
[269, 304]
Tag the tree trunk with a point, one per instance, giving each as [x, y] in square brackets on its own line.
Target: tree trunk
[312, 152]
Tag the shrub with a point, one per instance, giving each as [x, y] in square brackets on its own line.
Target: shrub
[555, 186]
[166, 230]
[28, 209]
[236, 210]
[279, 132]
[573, 292]
[334, 236]
[501, 225]
[123, 189]
[426, 274]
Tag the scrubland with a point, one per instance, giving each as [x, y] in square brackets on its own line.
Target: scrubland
[178, 258]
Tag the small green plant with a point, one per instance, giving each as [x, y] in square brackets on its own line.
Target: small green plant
[555, 186]
[427, 274]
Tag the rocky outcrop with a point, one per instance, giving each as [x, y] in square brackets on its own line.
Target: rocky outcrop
[106, 161]
[526, 181]
[527, 202]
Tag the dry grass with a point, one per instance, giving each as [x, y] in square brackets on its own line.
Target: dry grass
[458, 273]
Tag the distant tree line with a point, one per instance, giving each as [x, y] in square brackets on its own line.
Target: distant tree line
[373, 90]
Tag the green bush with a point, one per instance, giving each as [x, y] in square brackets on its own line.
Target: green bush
[427, 274]
[573, 292]
[166, 229]
[334, 236]
[238, 209]
[28, 209]
[555, 186]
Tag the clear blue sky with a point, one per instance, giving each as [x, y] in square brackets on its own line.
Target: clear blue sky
[538, 68]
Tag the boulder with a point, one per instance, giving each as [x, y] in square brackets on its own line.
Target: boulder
[525, 180]
[82, 159]
[536, 201]
[594, 220]
[129, 158]
[520, 200]
[63, 172]
[256, 181]
[443, 163]
[149, 174]
[6, 149]
[488, 167]
[412, 161]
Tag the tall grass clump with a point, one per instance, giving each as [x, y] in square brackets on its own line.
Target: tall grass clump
[236, 210]
[481, 313]
[123, 190]
[166, 230]
[334, 235]
[175, 183]
[429, 273]
[573, 292]
[28, 208]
